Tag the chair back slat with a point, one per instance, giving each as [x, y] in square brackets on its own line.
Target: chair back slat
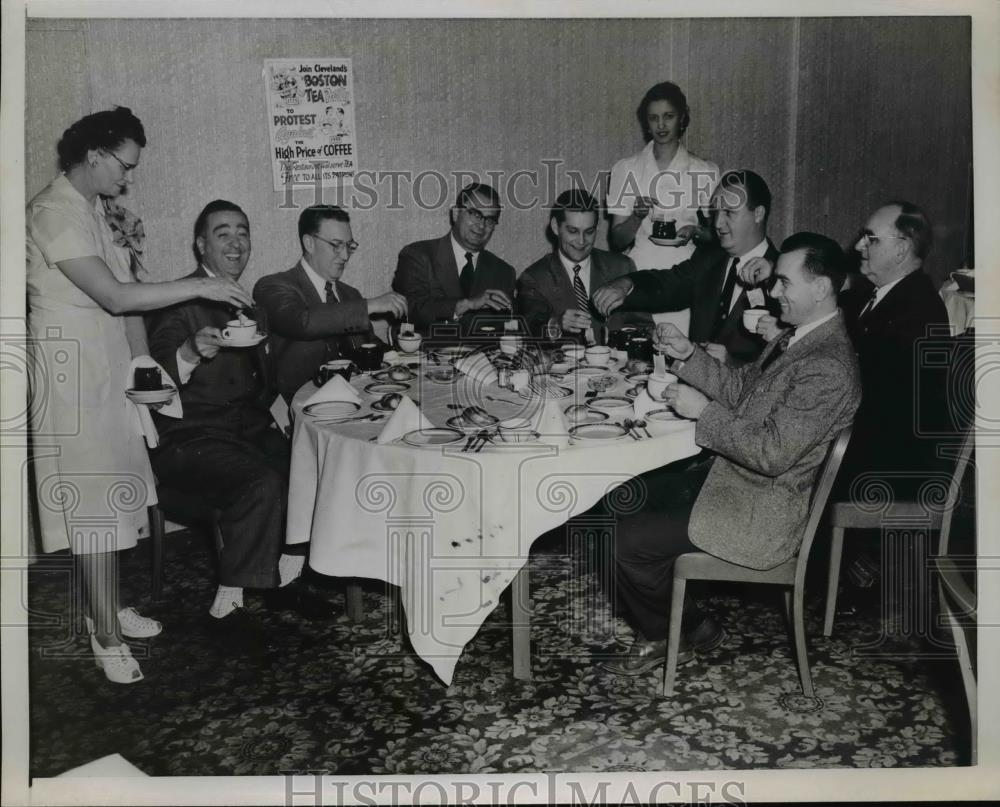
[820, 496]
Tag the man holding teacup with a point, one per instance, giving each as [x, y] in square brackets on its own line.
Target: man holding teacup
[768, 425]
[712, 282]
[224, 450]
[553, 294]
[313, 316]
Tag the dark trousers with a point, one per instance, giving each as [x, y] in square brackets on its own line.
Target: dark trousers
[648, 543]
[245, 476]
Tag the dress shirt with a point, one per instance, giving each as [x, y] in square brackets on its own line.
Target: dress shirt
[802, 330]
[584, 270]
[881, 291]
[460, 251]
[757, 252]
[318, 280]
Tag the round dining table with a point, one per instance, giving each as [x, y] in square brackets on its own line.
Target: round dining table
[448, 518]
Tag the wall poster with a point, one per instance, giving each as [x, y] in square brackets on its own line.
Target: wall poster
[310, 111]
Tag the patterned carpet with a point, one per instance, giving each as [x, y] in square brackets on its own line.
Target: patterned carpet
[349, 698]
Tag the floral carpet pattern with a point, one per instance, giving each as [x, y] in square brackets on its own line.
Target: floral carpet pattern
[346, 698]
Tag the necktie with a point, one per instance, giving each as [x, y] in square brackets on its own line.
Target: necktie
[331, 296]
[468, 272]
[779, 348]
[340, 345]
[582, 298]
[722, 314]
[868, 306]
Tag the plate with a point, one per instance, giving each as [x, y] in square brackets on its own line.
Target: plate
[458, 422]
[553, 391]
[507, 436]
[386, 375]
[632, 393]
[256, 339]
[454, 351]
[599, 383]
[383, 387]
[580, 415]
[441, 376]
[635, 378]
[609, 403]
[668, 242]
[585, 371]
[433, 437]
[598, 431]
[662, 416]
[332, 409]
[151, 396]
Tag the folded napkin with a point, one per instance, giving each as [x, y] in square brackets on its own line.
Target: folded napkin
[644, 404]
[549, 421]
[336, 389]
[138, 414]
[406, 418]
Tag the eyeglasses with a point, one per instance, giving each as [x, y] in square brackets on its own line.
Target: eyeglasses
[337, 246]
[126, 167]
[870, 238]
[479, 218]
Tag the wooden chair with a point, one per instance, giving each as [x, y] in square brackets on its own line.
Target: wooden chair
[958, 599]
[791, 574]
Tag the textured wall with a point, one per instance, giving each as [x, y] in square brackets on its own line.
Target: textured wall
[835, 114]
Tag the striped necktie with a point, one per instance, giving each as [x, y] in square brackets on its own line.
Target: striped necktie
[869, 305]
[582, 298]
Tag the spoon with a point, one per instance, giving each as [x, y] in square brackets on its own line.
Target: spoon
[630, 425]
[641, 424]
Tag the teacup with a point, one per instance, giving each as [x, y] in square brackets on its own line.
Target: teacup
[751, 317]
[510, 344]
[240, 331]
[598, 355]
[656, 384]
[148, 378]
[665, 229]
[341, 367]
[409, 342]
[370, 356]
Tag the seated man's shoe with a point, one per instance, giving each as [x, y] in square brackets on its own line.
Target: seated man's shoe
[706, 635]
[297, 597]
[644, 655]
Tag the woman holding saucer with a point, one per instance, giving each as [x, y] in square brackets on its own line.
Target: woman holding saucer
[92, 475]
[654, 196]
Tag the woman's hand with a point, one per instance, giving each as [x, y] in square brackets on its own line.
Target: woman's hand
[225, 290]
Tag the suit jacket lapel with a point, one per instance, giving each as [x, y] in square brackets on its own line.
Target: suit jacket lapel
[561, 282]
[446, 268]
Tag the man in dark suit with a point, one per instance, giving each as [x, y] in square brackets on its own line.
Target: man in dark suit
[769, 425]
[553, 294]
[453, 284]
[887, 320]
[312, 315]
[710, 282]
[224, 449]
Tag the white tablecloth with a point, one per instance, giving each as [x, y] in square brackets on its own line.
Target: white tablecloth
[451, 529]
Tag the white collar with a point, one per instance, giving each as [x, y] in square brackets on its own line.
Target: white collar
[460, 251]
[757, 252]
[881, 291]
[318, 281]
[681, 159]
[568, 265]
[802, 330]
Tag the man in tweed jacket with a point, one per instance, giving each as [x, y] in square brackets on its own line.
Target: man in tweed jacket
[769, 425]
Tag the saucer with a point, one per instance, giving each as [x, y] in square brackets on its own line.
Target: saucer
[433, 437]
[151, 396]
[460, 423]
[386, 375]
[668, 242]
[384, 387]
[252, 341]
[332, 409]
[598, 431]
